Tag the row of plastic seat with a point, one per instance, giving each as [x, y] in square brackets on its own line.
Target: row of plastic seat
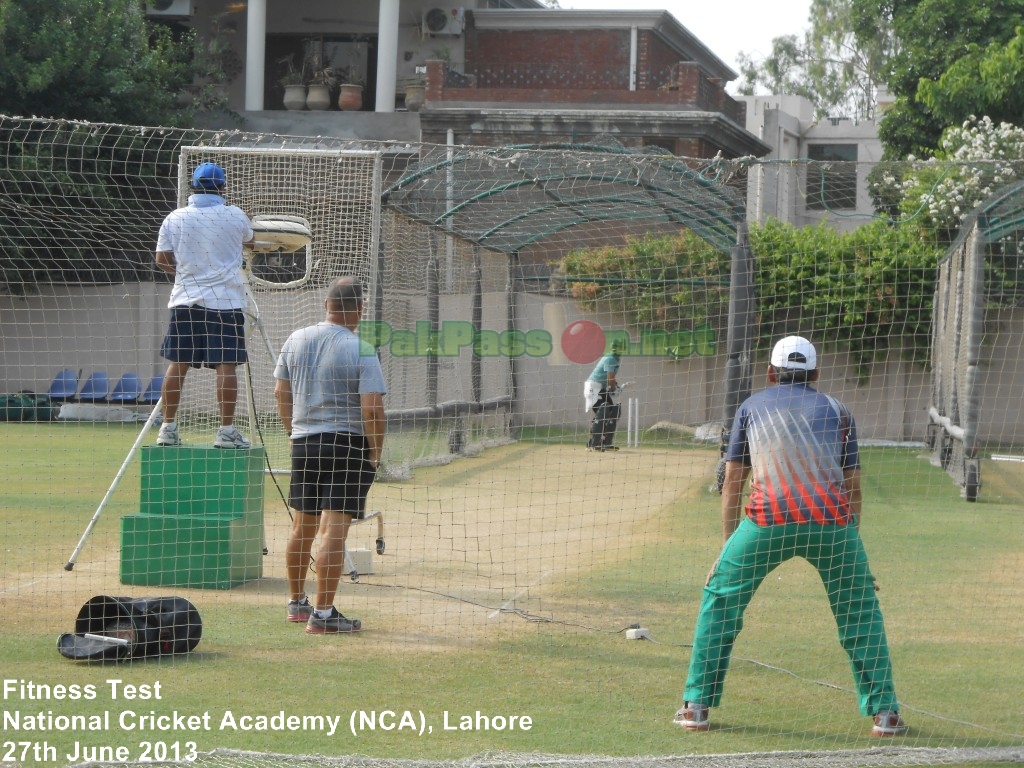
[127, 391]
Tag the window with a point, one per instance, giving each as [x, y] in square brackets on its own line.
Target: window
[832, 181]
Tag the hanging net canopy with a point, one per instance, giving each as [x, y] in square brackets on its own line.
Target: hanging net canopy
[509, 198]
[473, 220]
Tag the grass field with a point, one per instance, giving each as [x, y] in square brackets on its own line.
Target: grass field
[507, 584]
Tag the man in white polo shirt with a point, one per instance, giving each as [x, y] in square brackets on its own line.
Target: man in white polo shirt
[201, 245]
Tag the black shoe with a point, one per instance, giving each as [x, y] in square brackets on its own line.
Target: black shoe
[299, 610]
[334, 623]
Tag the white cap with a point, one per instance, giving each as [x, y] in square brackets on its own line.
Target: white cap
[794, 353]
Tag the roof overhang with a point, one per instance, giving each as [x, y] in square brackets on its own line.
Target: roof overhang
[525, 120]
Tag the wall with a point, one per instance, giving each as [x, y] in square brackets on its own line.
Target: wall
[891, 406]
[118, 328]
[368, 126]
[114, 328]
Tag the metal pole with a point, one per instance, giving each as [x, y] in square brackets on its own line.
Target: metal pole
[113, 486]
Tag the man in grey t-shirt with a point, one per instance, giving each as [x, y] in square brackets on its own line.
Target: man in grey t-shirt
[330, 397]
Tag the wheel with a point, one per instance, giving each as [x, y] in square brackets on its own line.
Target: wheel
[972, 481]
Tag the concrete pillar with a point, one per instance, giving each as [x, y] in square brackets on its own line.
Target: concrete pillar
[387, 55]
[255, 53]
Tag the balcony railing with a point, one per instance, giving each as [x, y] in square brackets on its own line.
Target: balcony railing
[681, 86]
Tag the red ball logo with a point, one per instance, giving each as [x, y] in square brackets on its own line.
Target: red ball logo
[583, 341]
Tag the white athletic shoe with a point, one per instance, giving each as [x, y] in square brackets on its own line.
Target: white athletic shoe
[229, 437]
[168, 435]
[693, 717]
[888, 723]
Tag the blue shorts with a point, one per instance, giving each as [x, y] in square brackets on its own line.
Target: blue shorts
[330, 470]
[205, 337]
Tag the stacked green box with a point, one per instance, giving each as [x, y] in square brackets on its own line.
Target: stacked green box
[200, 521]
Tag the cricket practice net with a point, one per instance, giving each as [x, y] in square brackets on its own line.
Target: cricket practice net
[507, 571]
[976, 284]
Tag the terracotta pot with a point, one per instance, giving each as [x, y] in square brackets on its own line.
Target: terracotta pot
[351, 97]
[295, 96]
[415, 95]
[318, 97]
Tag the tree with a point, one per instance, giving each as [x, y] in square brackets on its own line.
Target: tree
[986, 81]
[929, 38]
[781, 72]
[664, 281]
[93, 60]
[866, 289]
[844, 70]
[831, 66]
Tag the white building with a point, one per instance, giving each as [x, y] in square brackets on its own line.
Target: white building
[817, 169]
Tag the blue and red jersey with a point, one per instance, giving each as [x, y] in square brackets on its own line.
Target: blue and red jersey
[797, 442]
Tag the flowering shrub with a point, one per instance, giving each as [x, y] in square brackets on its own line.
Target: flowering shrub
[975, 159]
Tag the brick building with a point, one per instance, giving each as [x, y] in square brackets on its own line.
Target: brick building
[566, 76]
[509, 75]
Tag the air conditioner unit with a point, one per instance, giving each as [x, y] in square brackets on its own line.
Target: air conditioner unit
[177, 8]
[441, 21]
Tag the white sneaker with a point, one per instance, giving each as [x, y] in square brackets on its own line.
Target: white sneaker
[888, 723]
[229, 437]
[168, 435]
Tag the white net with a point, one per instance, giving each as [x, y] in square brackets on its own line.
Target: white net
[507, 566]
[337, 191]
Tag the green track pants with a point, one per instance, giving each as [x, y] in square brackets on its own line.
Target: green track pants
[750, 554]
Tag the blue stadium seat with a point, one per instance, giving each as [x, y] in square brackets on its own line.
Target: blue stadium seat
[96, 388]
[127, 390]
[64, 386]
[152, 392]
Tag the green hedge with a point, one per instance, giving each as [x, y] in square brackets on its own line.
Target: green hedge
[869, 291]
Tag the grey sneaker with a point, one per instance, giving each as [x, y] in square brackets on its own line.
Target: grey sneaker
[332, 624]
[168, 435]
[300, 610]
[229, 437]
[693, 717]
[888, 723]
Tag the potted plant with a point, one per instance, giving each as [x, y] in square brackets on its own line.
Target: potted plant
[294, 82]
[321, 82]
[415, 95]
[350, 96]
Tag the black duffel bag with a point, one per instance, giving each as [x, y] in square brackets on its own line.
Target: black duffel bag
[115, 628]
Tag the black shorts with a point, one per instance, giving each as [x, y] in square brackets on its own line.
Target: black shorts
[330, 470]
[205, 337]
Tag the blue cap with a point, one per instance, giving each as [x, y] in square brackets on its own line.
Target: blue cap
[208, 176]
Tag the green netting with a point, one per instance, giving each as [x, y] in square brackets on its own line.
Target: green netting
[508, 198]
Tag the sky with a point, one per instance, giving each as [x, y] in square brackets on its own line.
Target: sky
[725, 26]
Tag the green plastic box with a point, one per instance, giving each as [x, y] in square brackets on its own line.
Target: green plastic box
[200, 521]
